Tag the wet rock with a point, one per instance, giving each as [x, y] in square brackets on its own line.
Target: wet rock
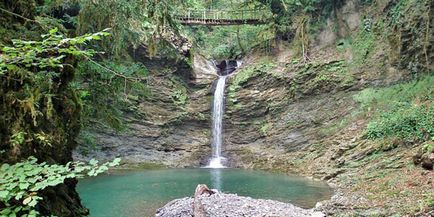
[204, 71]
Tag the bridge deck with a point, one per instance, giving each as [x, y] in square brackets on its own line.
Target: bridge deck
[223, 17]
[219, 22]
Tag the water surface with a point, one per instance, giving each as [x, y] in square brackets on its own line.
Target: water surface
[140, 193]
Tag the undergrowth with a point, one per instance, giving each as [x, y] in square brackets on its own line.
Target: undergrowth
[21, 183]
[404, 111]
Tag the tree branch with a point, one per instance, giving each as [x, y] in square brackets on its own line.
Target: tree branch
[134, 79]
[20, 16]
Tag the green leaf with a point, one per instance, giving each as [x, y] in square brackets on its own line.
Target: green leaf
[4, 194]
[5, 167]
[91, 172]
[115, 162]
[33, 213]
[24, 186]
[5, 212]
[96, 37]
[93, 162]
[53, 31]
[19, 195]
[33, 203]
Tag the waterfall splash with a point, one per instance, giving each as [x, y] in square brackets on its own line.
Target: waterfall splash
[217, 118]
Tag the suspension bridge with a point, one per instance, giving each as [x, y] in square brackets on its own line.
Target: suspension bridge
[223, 17]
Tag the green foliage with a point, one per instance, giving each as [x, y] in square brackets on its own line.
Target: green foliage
[397, 12]
[404, 110]
[179, 97]
[264, 128]
[429, 147]
[44, 55]
[333, 73]
[20, 183]
[285, 10]
[372, 99]
[106, 88]
[225, 42]
[132, 22]
[17, 138]
[405, 121]
[33, 74]
[87, 143]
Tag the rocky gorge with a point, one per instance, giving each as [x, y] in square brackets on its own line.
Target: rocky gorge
[292, 115]
[331, 112]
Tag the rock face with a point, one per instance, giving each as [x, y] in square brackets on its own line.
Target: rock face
[204, 71]
[220, 204]
[275, 105]
[172, 125]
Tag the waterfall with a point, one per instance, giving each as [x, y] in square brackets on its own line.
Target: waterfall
[217, 118]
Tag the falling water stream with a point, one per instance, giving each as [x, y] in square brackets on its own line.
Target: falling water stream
[226, 67]
[217, 118]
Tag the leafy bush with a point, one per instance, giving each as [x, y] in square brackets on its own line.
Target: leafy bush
[132, 22]
[46, 54]
[21, 182]
[404, 110]
[406, 121]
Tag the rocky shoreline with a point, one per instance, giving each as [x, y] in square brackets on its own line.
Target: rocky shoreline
[221, 204]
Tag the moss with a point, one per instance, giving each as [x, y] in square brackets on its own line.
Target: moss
[242, 76]
[362, 46]
[179, 95]
[200, 116]
[317, 77]
[140, 166]
[264, 128]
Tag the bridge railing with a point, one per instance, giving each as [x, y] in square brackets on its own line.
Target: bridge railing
[205, 14]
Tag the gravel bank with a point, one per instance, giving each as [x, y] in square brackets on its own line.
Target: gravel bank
[220, 204]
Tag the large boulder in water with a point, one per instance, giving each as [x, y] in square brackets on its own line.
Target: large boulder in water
[219, 204]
